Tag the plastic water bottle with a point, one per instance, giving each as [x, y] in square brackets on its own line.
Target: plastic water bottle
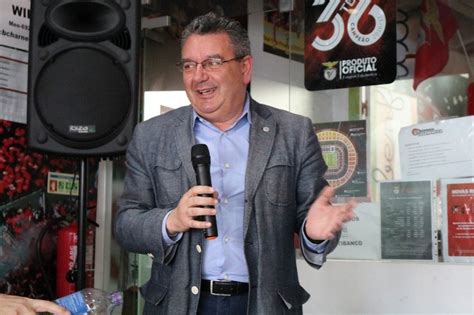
[90, 301]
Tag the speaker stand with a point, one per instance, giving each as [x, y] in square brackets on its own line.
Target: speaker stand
[82, 227]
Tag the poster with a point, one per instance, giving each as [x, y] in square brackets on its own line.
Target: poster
[360, 238]
[15, 23]
[14, 40]
[349, 43]
[344, 146]
[439, 149]
[407, 220]
[458, 219]
[13, 84]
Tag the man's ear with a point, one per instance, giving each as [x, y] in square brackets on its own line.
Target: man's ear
[246, 68]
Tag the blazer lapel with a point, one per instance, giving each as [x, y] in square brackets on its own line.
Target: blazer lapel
[262, 136]
[184, 137]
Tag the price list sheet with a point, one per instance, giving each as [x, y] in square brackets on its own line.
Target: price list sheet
[407, 220]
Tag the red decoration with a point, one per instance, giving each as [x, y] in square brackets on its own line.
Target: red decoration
[470, 99]
[439, 26]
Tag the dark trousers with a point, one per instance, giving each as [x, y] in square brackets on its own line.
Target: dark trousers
[222, 305]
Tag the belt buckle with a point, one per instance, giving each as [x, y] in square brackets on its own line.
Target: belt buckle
[217, 294]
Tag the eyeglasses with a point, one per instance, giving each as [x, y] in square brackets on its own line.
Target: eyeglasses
[210, 64]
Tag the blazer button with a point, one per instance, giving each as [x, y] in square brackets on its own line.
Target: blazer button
[198, 248]
[195, 290]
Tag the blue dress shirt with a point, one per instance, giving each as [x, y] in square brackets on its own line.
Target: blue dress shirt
[224, 258]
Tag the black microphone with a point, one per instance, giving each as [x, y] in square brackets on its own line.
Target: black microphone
[202, 163]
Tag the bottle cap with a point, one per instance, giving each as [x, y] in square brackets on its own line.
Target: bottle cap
[116, 298]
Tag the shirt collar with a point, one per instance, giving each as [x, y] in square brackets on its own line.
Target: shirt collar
[245, 115]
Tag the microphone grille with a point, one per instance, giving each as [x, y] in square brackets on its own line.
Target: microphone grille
[200, 154]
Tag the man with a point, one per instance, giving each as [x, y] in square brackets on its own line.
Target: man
[13, 305]
[266, 169]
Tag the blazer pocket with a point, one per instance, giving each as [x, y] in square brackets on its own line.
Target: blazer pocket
[155, 289]
[168, 175]
[292, 297]
[278, 180]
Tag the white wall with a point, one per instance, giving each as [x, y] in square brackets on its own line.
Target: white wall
[365, 287]
[354, 287]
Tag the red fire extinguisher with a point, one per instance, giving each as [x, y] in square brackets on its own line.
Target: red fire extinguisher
[66, 255]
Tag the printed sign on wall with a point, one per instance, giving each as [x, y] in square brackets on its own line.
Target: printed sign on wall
[63, 184]
[349, 43]
[457, 197]
[407, 220]
[15, 23]
[460, 208]
[14, 39]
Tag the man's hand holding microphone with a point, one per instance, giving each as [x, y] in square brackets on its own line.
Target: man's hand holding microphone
[196, 208]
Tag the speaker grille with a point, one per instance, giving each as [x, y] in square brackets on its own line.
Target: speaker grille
[46, 37]
[83, 109]
[122, 40]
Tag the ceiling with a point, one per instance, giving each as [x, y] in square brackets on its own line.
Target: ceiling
[462, 9]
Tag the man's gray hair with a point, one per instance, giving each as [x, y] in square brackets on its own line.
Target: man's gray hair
[211, 24]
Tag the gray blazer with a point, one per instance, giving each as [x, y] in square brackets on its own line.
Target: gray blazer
[284, 176]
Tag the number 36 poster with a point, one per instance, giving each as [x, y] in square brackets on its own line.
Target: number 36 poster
[349, 43]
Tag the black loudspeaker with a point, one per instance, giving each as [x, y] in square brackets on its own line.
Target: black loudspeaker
[83, 77]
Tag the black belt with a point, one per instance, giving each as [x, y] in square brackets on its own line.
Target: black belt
[224, 288]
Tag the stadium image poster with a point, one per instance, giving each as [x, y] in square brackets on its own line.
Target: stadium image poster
[349, 43]
[344, 146]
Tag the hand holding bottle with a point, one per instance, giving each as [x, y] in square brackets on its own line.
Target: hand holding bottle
[13, 304]
[91, 301]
